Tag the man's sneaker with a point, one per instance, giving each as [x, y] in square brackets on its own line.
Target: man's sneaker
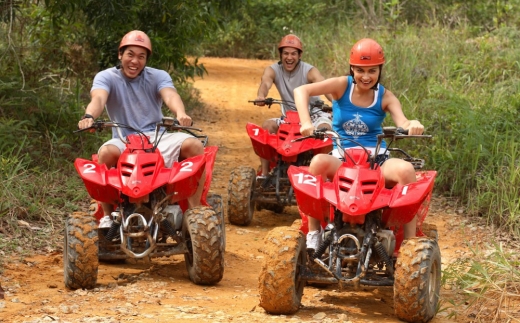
[105, 222]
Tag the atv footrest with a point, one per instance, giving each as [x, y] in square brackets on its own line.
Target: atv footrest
[115, 252]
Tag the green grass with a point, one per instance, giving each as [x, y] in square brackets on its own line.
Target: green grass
[488, 282]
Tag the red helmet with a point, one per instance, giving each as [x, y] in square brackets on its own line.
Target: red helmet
[136, 38]
[290, 41]
[367, 52]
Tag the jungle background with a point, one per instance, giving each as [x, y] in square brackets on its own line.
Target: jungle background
[454, 65]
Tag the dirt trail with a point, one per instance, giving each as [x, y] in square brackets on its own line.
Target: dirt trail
[160, 290]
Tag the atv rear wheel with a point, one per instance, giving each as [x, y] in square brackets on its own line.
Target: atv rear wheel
[216, 203]
[203, 236]
[417, 280]
[240, 191]
[279, 283]
[80, 251]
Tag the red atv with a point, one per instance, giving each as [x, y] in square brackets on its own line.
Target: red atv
[152, 218]
[273, 192]
[363, 237]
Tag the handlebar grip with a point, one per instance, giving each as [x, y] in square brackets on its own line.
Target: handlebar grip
[97, 125]
[401, 131]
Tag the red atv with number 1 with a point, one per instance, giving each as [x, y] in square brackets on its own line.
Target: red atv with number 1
[247, 190]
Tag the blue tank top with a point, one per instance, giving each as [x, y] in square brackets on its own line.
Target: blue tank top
[358, 123]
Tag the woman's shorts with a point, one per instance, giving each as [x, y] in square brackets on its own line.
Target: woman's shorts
[380, 159]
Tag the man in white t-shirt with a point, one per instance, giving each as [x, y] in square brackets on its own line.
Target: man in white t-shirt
[133, 95]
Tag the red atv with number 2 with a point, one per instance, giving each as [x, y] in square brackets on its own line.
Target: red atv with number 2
[151, 217]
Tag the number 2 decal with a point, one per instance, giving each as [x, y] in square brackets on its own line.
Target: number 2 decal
[186, 167]
[89, 168]
[305, 179]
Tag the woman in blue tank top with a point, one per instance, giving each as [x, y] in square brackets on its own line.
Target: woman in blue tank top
[359, 107]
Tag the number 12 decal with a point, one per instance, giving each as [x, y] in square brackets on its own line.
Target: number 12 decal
[305, 179]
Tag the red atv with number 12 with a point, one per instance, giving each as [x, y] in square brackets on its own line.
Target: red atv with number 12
[363, 235]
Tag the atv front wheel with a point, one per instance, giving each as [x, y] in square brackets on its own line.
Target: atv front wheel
[240, 191]
[204, 239]
[417, 280]
[80, 251]
[216, 203]
[279, 283]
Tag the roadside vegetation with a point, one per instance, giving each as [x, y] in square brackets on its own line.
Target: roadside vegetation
[455, 65]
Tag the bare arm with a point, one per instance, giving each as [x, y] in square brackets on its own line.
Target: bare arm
[393, 106]
[315, 76]
[98, 99]
[173, 101]
[335, 86]
[265, 84]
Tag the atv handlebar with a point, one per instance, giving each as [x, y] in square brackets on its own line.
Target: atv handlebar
[391, 133]
[388, 132]
[321, 105]
[167, 123]
[270, 101]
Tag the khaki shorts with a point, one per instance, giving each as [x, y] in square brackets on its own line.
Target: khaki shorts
[169, 146]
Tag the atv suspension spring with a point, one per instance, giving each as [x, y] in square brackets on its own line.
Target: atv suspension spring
[167, 228]
[322, 247]
[380, 249]
[113, 231]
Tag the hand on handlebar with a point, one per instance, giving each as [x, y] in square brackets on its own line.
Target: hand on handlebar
[307, 129]
[316, 134]
[415, 128]
[260, 100]
[184, 120]
[86, 123]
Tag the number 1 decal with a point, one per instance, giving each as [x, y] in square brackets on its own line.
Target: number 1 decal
[186, 167]
[305, 179]
[256, 131]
